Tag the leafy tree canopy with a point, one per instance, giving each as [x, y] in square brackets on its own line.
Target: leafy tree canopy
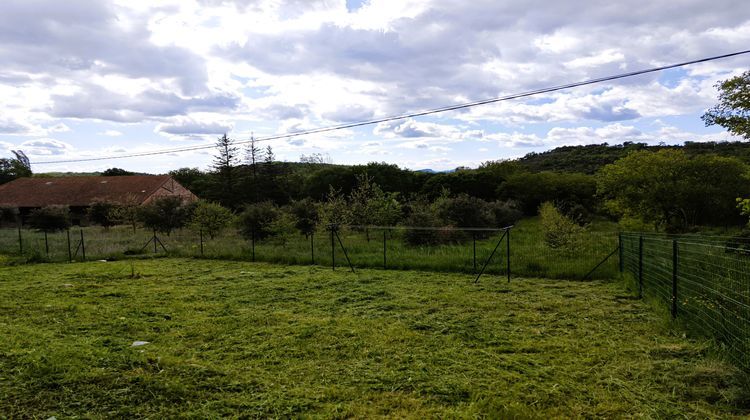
[733, 110]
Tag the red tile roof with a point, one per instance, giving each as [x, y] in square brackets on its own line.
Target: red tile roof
[79, 190]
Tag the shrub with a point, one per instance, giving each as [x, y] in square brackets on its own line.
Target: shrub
[211, 218]
[256, 220]
[50, 219]
[560, 232]
[305, 214]
[104, 213]
[506, 213]
[163, 214]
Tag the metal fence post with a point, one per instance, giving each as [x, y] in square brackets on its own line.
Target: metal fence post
[640, 266]
[70, 254]
[83, 246]
[507, 254]
[154, 238]
[674, 278]
[385, 265]
[20, 240]
[46, 244]
[312, 248]
[619, 245]
[333, 249]
[200, 233]
[252, 243]
[474, 245]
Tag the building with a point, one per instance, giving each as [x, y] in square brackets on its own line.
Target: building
[79, 192]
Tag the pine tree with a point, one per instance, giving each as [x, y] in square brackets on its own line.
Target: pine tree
[224, 168]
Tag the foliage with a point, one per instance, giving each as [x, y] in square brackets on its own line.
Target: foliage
[530, 190]
[257, 220]
[465, 211]
[210, 218]
[50, 219]
[505, 213]
[163, 214]
[669, 189]
[14, 168]
[733, 110]
[560, 232]
[334, 210]
[8, 215]
[305, 213]
[369, 205]
[104, 213]
[117, 172]
[224, 167]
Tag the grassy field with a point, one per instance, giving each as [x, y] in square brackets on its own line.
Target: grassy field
[237, 338]
[530, 256]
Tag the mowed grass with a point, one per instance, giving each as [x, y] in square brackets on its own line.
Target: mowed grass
[256, 340]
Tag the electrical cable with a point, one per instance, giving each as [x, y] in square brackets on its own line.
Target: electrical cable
[407, 115]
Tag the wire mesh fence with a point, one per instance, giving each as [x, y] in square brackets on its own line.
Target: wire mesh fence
[704, 282]
[448, 249]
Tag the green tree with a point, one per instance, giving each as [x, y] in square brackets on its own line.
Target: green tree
[257, 220]
[334, 210]
[224, 167]
[211, 218]
[50, 219]
[306, 217]
[670, 190]
[104, 213]
[370, 205]
[117, 172]
[733, 110]
[560, 231]
[163, 214]
[14, 168]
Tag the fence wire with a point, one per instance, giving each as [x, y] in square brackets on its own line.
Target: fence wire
[704, 281]
[447, 249]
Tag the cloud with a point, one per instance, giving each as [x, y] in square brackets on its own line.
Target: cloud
[96, 102]
[192, 127]
[45, 147]
[111, 133]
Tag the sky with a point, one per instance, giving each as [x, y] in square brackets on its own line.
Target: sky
[84, 79]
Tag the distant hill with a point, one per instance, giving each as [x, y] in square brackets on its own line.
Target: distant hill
[588, 159]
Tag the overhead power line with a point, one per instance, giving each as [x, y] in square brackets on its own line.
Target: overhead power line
[408, 115]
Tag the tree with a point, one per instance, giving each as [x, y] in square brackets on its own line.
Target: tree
[163, 214]
[104, 213]
[50, 219]
[8, 215]
[256, 220]
[17, 167]
[560, 231]
[669, 189]
[306, 217]
[210, 218]
[224, 167]
[369, 205]
[117, 172]
[334, 210]
[253, 156]
[733, 110]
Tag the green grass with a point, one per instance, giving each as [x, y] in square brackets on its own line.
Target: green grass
[237, 338]
[529, 254]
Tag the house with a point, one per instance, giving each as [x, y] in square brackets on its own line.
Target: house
[79, 192]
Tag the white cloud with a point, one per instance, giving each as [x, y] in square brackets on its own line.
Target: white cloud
[111, 133]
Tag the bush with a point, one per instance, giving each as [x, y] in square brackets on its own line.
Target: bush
[465, 211]
[306, 217]
[8, 215]
[104, 213]
[50, 219]
[210, 218]
[163, 214]
[560, 232]
[256, 220]
[506, 213]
